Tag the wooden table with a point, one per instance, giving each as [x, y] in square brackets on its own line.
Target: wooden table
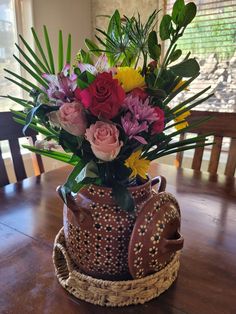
[31, 215]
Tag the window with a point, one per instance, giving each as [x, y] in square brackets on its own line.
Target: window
[211, 37]
[8, 36]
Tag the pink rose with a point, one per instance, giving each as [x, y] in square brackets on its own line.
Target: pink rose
[104, 140]
[158, 125]
[72, 118]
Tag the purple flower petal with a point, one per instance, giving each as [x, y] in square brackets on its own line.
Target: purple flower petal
[140, 139]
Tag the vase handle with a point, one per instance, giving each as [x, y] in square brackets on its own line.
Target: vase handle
[173, 245]
[162, 183]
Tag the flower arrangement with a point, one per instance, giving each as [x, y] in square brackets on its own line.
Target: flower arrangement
[110, 109]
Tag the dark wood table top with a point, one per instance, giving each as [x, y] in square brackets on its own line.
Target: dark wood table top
[31, 216]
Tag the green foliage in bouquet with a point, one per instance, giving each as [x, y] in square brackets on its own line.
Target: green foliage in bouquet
[110, 110]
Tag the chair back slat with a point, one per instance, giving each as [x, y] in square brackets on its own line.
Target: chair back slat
[37, 160]
[215, 155]
[197, 158]
[222, 124]
[179, 155]
[231, 161]
[12, 131]
[3, 175]
[17, 159]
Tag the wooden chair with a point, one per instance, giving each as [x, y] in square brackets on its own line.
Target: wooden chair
[12, 131]
[221, 125]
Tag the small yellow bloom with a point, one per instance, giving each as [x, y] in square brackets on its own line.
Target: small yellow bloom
[129, 78]
[139, 166]
[180, 118]
[179, 85]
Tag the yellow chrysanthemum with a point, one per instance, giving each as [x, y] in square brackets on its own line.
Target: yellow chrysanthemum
[180, 118]
[129, 78]
[139, 166]
[179, 85]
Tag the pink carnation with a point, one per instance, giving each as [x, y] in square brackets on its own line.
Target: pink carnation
[104, 140]
[72, 118]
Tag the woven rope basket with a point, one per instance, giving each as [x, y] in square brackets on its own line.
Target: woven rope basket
[109, 293]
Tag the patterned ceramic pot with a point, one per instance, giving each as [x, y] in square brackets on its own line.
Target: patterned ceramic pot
[98, 232]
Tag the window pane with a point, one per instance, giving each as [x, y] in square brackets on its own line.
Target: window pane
[8, 36]
[211, 39]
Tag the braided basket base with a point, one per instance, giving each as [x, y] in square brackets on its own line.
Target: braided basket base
[109, 293]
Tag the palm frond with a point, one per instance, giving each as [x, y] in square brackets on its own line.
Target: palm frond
[33, 54]
[68, 51]
[39, 46]
[49, 50]
[60, 52]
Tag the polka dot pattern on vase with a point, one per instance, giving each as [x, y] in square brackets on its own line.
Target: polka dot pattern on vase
[154, 234]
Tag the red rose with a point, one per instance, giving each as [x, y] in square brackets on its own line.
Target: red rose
[103, 97]
[139, 92]
[158, 126]
[77, 93]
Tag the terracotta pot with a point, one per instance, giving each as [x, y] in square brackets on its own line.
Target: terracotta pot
[98, 232]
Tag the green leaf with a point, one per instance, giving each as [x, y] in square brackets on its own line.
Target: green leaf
[52, 154]
[18, 84]
[189, 13]
[178, 11]
[153, 47]
[21, 114]
[82, 174]
[24, 80]
[49, 49]
[68, 141]
[36, 58]
[180, 89]
[34, 127]
[176, 54]
[39, 46]
[189, 128]
[19, 101]
[27, 58]
[89, 171]
[38, 78]
[187, 108]
[60, 52]
[114, 27]
[122, 196]
[185, 102]
[165, 27]
[92, 47]
[84, 57]
[84, 79]
[173, 151]
[186, 68]
[162, 143]
[68, 51]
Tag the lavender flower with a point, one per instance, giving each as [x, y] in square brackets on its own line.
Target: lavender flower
[141, 111]
[132, 127]
[139, 115]
[61, 86]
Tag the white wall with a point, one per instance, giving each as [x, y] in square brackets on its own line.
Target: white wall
[71, 16]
